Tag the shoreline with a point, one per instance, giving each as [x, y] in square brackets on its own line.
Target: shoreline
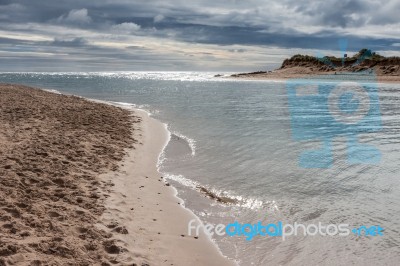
[166, 211]
[140, 219]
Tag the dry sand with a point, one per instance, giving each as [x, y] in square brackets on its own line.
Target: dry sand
[79, 186]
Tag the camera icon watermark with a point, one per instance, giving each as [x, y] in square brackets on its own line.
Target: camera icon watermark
[338, 105]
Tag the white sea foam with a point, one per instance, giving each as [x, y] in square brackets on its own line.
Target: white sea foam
[144, 107]
[191, 142]
[182, 180]
[52, 91]
[245, 202]
[249, 203]
[161, 156]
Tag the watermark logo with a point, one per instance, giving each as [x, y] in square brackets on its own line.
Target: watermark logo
[335, 105]
[284, 230]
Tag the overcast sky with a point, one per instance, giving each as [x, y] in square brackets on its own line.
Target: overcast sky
[210, 35]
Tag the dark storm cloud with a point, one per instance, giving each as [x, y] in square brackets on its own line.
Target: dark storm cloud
[258, 36]
[336, 13]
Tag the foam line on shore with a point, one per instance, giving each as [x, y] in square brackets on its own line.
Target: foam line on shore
[191, 142]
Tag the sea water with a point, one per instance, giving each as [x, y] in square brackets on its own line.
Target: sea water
[233, 138]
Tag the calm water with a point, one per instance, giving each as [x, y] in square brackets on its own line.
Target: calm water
[234, 137]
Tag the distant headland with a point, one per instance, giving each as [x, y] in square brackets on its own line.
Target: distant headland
[364, 62]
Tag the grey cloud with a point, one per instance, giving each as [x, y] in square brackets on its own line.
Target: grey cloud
[232, 13]
[75, 42]
[76, 16]
[158, 18]
[278, 23]
[237, 50]
[135, 47]
[126, 27]
[11, 41]
[336, 13]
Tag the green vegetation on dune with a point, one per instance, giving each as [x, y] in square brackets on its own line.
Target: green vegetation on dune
[364, 58]
[364, 61]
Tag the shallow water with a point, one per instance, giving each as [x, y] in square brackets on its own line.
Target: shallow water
[235, 138]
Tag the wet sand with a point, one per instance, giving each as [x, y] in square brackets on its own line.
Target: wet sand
[79, 186]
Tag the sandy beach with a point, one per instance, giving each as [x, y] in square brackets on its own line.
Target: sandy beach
[309, 73]
[80, 186]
